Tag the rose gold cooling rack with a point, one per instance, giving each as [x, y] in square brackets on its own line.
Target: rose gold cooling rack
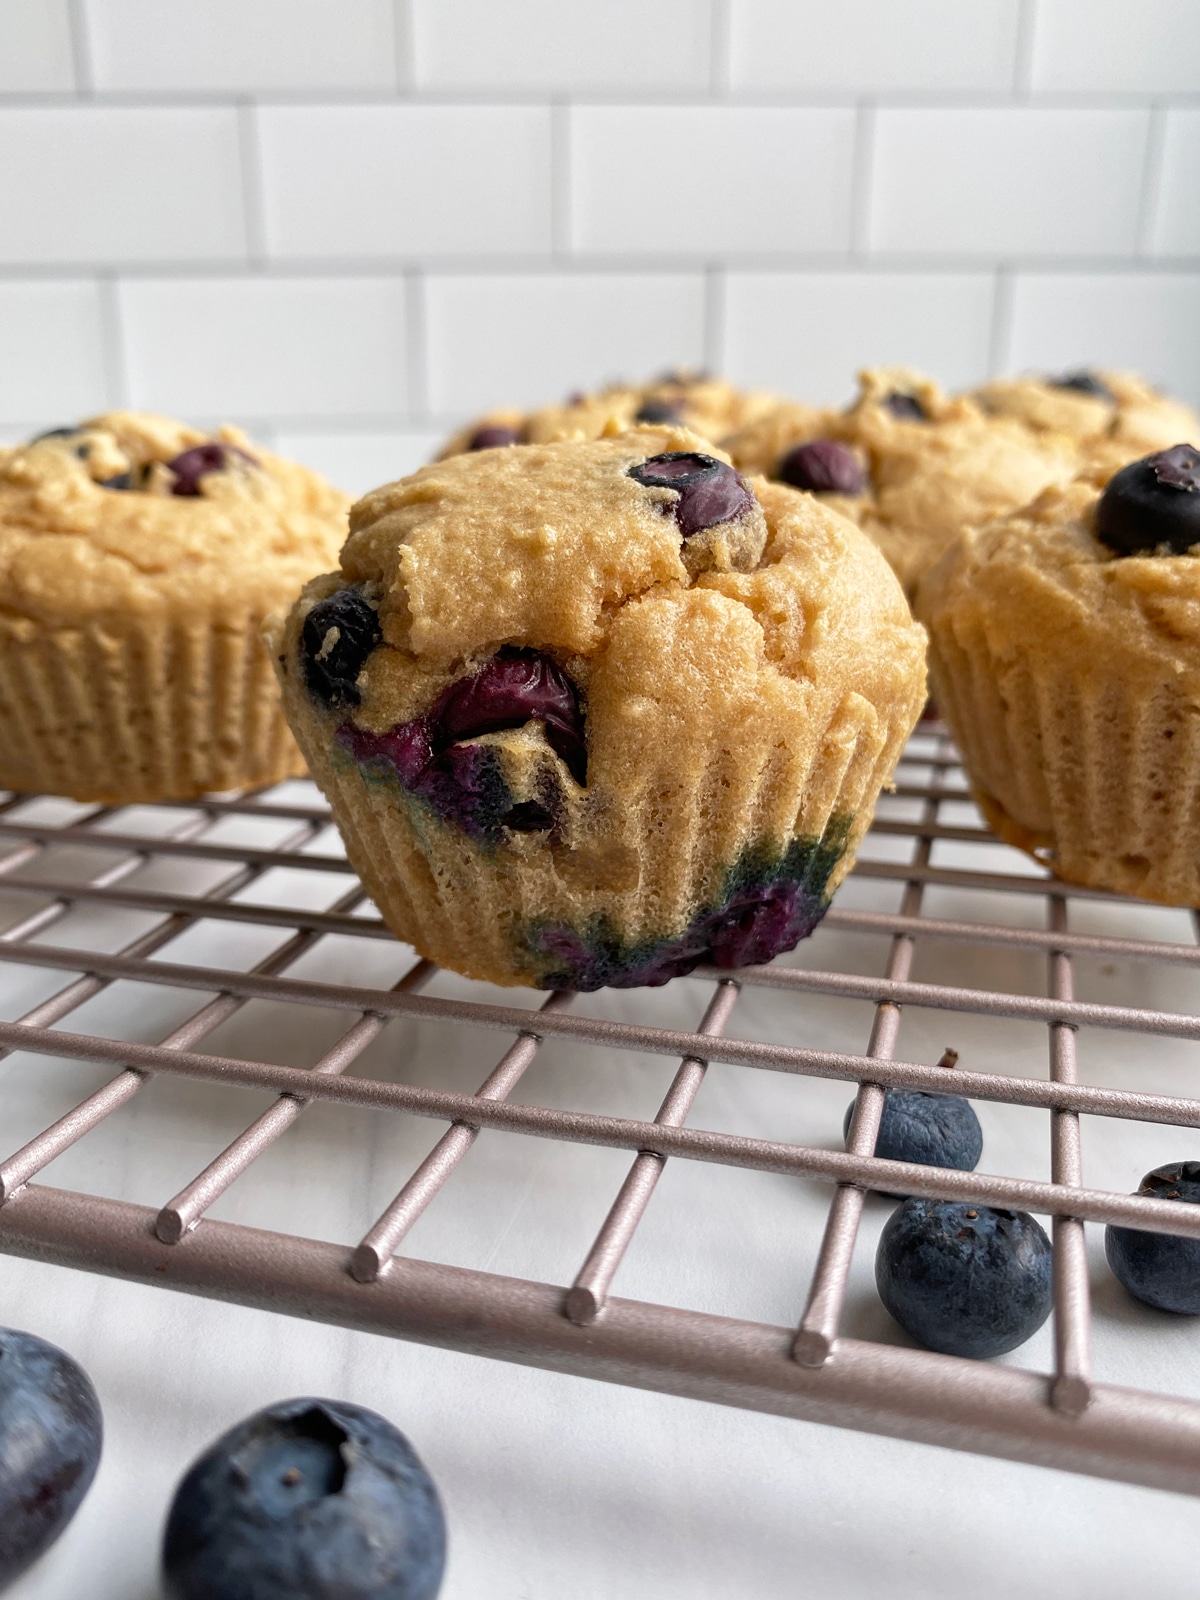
[1062, 1418]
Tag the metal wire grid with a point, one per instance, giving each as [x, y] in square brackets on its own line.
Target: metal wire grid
[1064, 1419]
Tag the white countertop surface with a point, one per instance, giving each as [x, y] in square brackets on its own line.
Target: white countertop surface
[555, 1485]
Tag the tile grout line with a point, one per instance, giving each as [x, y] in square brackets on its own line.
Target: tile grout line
[112, 341]
[561, 220]
[720, 50]
[1000, 333]
[253, 196]
[1024, 54]
[404, 45]
[81, 50]
[416, 346]
[862, 180]
[1153, 168]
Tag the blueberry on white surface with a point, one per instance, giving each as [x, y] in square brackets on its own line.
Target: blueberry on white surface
[936, 1130]
[1161, 1269]
[964, 1279]
[306, 1500]
[50, 1437]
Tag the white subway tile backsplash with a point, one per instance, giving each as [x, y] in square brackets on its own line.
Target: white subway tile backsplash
[1177, 224]
[242, 44]
[51, 353]
[1126, 46]
[396, 180]
[118, 184]
[262, 347]
[35, 46]
[527, 340]
[1008, 181]
[863, 47]
[357, 462]
[808, 333]
[720, 179]
[658, 45]
[1147, 321]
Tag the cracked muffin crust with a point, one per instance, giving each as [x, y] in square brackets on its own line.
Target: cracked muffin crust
[138, 559]
[1065, 655]
[592, 712]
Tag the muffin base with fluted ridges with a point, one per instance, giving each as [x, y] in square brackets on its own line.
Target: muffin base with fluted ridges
[152, 711]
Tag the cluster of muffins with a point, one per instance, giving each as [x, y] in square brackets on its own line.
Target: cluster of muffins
[610, 689]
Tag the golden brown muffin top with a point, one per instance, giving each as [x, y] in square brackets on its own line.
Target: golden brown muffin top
[553, 547]
[1041, 580]
[96, 521]
[1116, 408]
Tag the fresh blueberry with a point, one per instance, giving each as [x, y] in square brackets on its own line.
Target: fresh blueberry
[492, 436]
[513, 688]
[339, 634]
[658, 411]
[194, 464]
[1160, 1268]
[307, 1500]
[905, 406]
[709, 491]
[1084, 382]
[823, 466]
[50, 1437]
[964, 1279]
[1152, 502]
[934, 1130]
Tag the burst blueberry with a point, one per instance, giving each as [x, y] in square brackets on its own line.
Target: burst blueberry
[492, 436]
[513, 688]
[50, 1438]
[1161, 1269]
[708, 491]
[306, 1500]
[905, 406]
[1084, 382]
[658, 411]
[962, 1279]
[1151, 503]
[934, 1130]
[192, 466]
[823, 466]
[339, 634]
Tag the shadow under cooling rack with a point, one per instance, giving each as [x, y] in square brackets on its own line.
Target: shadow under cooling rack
[292, 926]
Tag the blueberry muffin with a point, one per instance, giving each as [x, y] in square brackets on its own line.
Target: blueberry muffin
[1112, 409]
[594, 711]
[1065, 655]
[938, 464]
[707, 406]
[138, 560]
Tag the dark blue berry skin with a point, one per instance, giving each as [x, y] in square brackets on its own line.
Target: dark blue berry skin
[307, 1500]
[492, 436]
[332, 664]
[659, 411]
[936, 1130]
[201, 460]
[709, 491]
[905, 406]
[1151, 503]
[1084, 382]
[965, 1280]
[50, 1437]
[822, 466]
[1160, 1269]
